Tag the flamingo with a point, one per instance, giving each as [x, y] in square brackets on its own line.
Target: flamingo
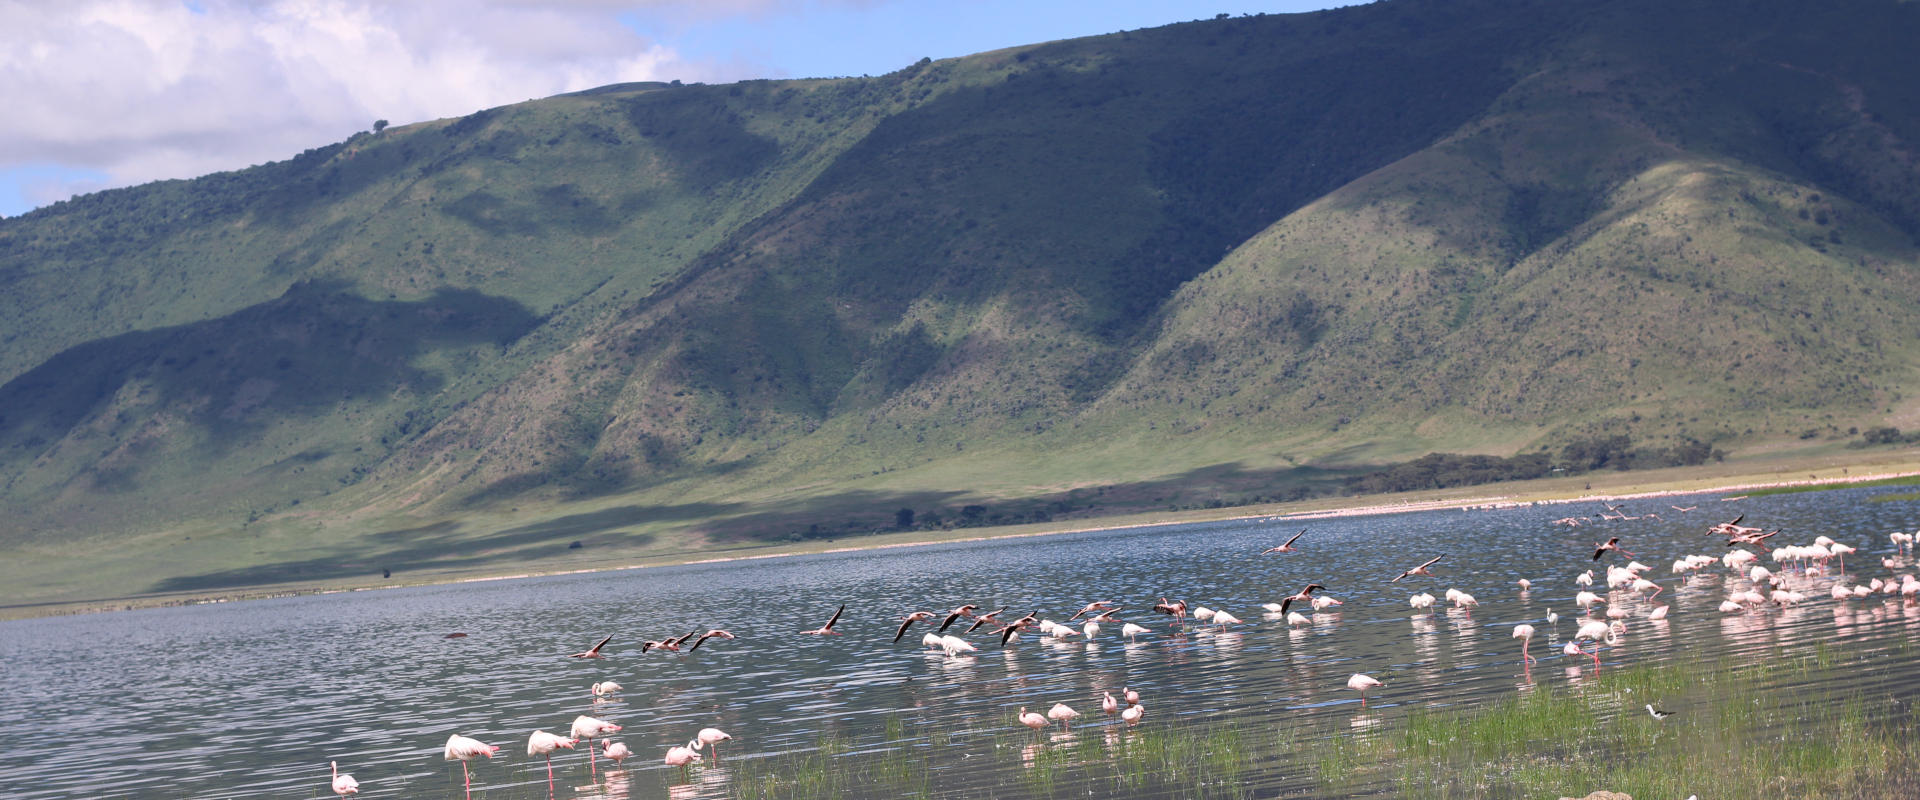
[1595, 631]
[1324, 601]
[1223, 619]
[1524, 584]
[343, 785]
[963, 611]
[605, 688]
[1422, 601]
[588, 728]
[1297, 619]
[827, 629]
[1525, 634]
[954, 645]
[1361, 683]
[594, 651]
[1176, 609]
[1303, 596]
[542, 743]
[1132, 715]
[1585, 600]
[1131, 630]
[1014, 628]
[1063, 713]
[1102, 606]
[712, 737]
[1032, 720]
[908, 620]
[1287, 546]
[1132, 697]
[1108, 705]
[1659, 613]
[682, 755]
[982, 619]
[618, 751]
[712, 634]
[463, 749]
[1612, 544]
[1419, 570]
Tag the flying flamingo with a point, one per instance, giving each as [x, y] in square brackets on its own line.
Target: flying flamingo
[963, 611]
[1102, 606]
[827, 629]
[711, 737]
[343, 785]
[982, 619]
[1612, 544]
[1525, 634]
[716, 633]
[1302, 596]
[1419, 570]
[1015, 627]
[908, 620]
[1361, 683]
[594, 651]
[588, 728]
[1062, 712]
[1286, 547]
[542, 743]
[463, 749]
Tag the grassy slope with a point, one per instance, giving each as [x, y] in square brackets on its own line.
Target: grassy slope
[1212, 260]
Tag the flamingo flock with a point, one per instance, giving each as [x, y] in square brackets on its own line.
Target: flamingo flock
[1751, 587]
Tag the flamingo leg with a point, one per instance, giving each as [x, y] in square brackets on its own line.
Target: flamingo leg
[593, 760]
[549, 777]
[468, 776]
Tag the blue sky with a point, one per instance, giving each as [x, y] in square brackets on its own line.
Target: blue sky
[107, 93]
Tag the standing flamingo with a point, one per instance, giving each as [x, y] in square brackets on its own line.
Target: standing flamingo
[1108, 705]
[542, 743]
[682, 755]
[1132, 715]
[1595, 631]
[1062, 712]
[605, 689]
[588, 728]
[1361, 683]
[463, 749]
[712, 737]
[343, 785]
[1132, 697]
[1525, 634]
[618, 751]
[1031, 719]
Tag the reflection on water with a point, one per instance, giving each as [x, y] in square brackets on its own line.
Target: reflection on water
[253, 699]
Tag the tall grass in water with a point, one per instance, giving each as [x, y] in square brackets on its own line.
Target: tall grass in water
[1736, 733]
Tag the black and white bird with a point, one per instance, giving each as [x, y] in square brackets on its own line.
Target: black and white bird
[1657, 713]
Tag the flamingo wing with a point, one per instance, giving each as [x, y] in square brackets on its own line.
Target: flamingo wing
[1296, 537]
[908, 622]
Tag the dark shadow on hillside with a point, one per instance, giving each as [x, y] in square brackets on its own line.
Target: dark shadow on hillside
[305, 353]
[444, 546]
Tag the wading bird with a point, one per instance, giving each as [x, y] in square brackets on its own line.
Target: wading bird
[542, 743]
[343, 785]
[682, 755]
[605, 689]
[463, 749]
[618, 751]
[1132, 715]
[1361, 683]
[1031, 719]
[1419, 570]
[712, 737]
[1062, 713]
[589, 728]
[1525, 634]
[1657, 713]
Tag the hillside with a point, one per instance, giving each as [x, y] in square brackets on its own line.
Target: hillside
[1212, 262]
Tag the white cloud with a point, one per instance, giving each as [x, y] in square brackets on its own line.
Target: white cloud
[148, 89]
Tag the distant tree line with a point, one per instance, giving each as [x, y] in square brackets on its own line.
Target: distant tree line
[1447, 470]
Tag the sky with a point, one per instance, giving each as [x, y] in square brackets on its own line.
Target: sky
[97, 94]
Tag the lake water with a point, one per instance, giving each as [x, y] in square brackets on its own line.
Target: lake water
[252, 699]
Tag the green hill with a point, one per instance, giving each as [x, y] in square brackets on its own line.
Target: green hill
[1211, 262]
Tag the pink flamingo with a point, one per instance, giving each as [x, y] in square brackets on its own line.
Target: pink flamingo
[1525, 634]
[1361, 683]
[1064, 713]
[1287, 546]
[712, 737]
[712, 634]
[908, 620]
[1419, 570]
[1031, 719]
[827, 629]
[343, 785]
[617, 751]
[1132, 715]
[588, 728]
[683, 755]
[463, 749]
[1108, 705]
[594, 651]
[542, 743]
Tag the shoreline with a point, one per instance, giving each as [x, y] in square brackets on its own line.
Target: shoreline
[927, 538]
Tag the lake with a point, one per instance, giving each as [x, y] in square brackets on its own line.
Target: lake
[253, 699]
